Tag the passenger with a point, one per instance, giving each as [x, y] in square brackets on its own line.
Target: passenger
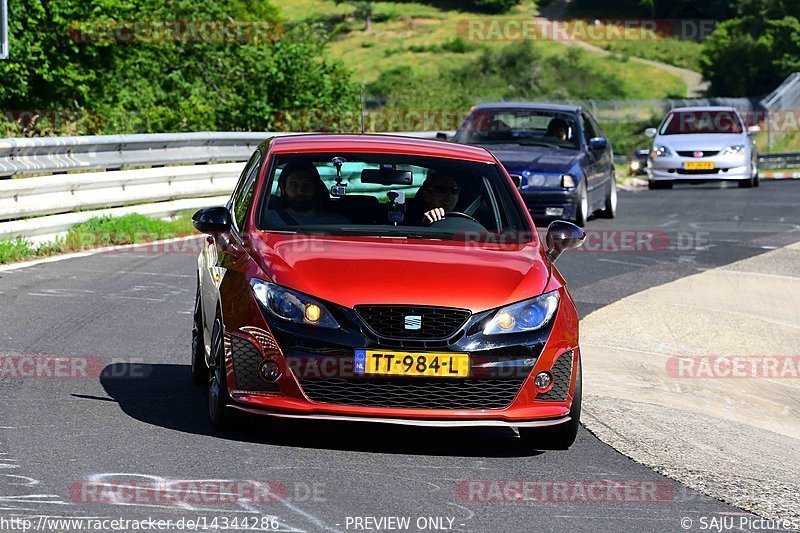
[304, 198]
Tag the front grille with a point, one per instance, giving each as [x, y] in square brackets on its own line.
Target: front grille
[390, 321]
[415, 393]
[701, 171]
[562, 376]
[690, 153]
[246, 358]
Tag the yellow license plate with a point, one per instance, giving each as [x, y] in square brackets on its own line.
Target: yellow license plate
[698, 165]
[394, 363]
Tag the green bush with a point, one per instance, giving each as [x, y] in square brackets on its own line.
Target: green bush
[164, 85]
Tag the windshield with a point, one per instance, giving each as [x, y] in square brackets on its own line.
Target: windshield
[684, 122]
[391, 195]
[520, 126]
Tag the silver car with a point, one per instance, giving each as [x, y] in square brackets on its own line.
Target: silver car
[695, 144]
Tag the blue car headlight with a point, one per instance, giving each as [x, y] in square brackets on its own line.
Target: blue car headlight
[544, 179]
[292, 306]
[523, 316]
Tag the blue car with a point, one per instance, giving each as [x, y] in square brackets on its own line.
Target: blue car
[558, 155]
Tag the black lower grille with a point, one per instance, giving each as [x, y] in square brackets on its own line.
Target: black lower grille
[246, 358]
[415, 393]
[413, 322]
[697, 171]
[562, 376]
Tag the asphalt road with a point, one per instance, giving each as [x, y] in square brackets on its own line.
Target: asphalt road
[140, 424]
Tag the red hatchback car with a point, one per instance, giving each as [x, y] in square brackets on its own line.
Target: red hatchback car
[385, 279]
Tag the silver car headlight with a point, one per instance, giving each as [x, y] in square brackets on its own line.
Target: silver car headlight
[292, 306]
[735, 149]
[659, 150]
[528, 315]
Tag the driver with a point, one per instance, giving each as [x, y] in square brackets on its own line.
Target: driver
[558, 129]
[439, 194]
[304, 198]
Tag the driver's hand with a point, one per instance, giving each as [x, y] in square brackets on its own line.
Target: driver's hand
[434, 215]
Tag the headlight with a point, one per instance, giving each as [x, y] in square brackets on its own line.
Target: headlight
[635, 165]
[539, 179]
[292, 306]
[660, 151]
[736, 149]
[523, 316]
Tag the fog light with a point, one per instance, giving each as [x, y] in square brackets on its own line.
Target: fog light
[543, 380]
[554, 211]
[269, 371]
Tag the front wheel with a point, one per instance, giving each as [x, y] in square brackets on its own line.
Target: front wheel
[610, 208]
[582, 209]
[220, 416]
[199, 368]
[559, 437]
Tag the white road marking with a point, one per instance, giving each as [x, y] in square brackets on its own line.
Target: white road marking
[622, 262]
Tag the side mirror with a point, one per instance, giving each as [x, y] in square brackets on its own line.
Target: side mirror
[441, 136]
[753, 130]
[650, 132]
[562, 236]
[212, 220]
[598, 143]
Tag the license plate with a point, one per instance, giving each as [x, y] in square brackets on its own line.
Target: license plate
[394, 363]
[698, 165]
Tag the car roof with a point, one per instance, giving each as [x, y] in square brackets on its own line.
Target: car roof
[376, 143]
[704, 108]
[529, 105]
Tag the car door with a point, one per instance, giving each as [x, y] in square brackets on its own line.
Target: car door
[216, 247]
[600, 161]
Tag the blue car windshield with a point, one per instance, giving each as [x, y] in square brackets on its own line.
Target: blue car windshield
[520, 126]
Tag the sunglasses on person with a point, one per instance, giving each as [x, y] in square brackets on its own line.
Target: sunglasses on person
[445, 189]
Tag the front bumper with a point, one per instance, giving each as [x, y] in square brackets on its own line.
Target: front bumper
[317, 382]
[671, 169]
[539, 200]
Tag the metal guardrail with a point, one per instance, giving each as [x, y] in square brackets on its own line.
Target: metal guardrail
[779, 160]
[167, 178]
[42, 155]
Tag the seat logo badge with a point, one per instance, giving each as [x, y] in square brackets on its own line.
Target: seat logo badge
[698, 154]
[413, 322]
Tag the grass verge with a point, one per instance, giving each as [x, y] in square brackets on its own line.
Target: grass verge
[98, 232]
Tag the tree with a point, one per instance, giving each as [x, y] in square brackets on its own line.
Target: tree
[363, 11]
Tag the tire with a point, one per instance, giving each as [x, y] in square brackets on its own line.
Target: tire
[199, 367]
[610, 208]
[659, 184]
[219, 415]
[746, 183]
[755, 172]
[559, 437]
[582, 209]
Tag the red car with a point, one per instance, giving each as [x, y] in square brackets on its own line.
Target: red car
[385, 279]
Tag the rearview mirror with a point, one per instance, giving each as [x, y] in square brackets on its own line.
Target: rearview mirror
[212, 220]
[384, 176]
[598, 143]
[753, 130]
[441, 136]
[650, 132]
[562, 236]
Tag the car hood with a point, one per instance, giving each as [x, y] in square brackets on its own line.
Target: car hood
[698, 141]
[517, 158]
[350, 271]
